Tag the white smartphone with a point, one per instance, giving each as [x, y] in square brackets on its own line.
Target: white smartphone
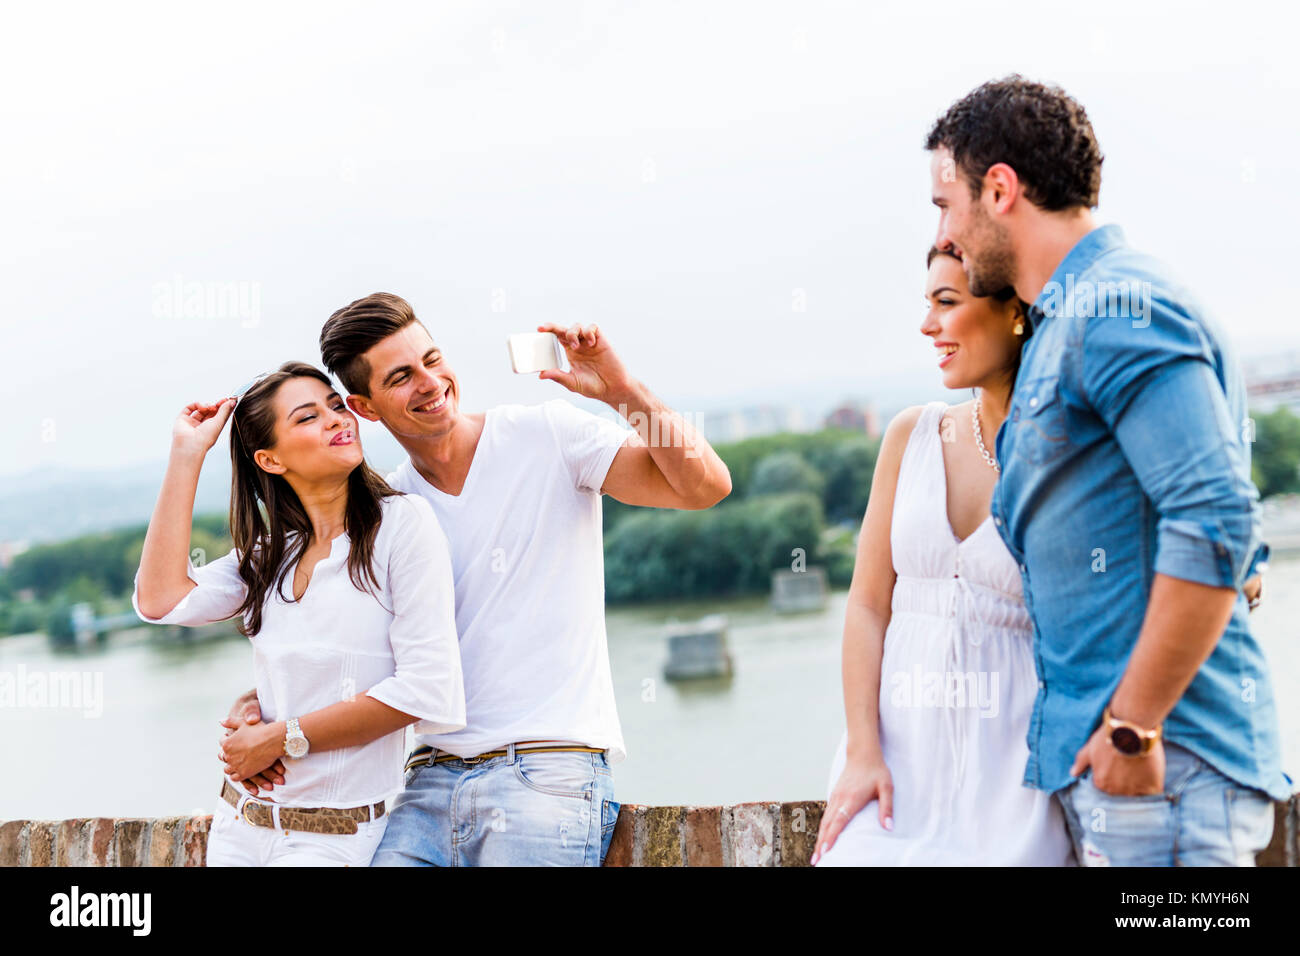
[535, 352]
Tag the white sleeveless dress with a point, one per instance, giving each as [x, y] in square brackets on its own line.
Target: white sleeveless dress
[957, 688]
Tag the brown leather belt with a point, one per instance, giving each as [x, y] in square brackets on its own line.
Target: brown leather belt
[420, 755]
[306, 819]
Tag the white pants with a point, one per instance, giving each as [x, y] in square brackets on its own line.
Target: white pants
[234, 841]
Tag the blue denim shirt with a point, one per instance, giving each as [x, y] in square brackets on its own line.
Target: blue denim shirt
[1125, 453]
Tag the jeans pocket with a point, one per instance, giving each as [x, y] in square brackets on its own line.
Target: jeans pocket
[608, 820]
[1121, 830]
[562, 774]
[1102, 796]
[1250, 823]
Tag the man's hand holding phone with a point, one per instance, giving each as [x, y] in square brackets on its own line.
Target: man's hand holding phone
[595, 370]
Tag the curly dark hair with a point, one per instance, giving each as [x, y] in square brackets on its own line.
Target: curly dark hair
[1037, 130]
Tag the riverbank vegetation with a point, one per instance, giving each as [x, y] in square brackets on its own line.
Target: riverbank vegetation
[797, 500]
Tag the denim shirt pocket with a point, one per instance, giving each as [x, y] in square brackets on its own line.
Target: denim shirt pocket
[1038, 420]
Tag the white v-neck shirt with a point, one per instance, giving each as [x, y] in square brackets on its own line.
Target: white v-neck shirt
[528, 558]
[397, 645]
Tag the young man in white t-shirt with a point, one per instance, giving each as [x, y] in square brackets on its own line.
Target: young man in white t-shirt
[517, 492]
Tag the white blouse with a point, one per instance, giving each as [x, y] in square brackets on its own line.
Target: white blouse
[400, 648]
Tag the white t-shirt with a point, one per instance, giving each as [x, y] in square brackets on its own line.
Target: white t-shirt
[527, 552]
[337, 641]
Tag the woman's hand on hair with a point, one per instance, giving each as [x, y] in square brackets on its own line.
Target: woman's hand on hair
[198, 426]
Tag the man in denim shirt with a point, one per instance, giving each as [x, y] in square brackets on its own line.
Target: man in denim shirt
[1125, 497]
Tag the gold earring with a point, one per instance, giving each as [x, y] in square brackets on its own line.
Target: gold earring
[1018, 328]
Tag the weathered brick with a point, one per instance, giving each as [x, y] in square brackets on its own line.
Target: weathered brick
[40, 842]
[1293, 833]
[13, 838]
[663, 837]
[100, 842]
[162, 841]
[753, 834]
[748, 834]
[621, 843]
[703, 836]
[70, 849]
[131, 842]
[799, 823]
[194, 841]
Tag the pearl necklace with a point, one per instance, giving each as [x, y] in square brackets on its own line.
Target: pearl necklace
[979, 437]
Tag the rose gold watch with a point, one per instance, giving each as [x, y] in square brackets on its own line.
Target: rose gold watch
[1128, 738]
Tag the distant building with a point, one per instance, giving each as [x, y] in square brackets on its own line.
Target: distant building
[1273, 381]
[758, 420]
[737, 425]
[855, 417]
[10, 550]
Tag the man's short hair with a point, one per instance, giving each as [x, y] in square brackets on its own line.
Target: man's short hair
[351, 331]
[1036, 129]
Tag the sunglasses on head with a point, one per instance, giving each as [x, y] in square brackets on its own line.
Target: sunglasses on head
[239, 394]
[243, 389]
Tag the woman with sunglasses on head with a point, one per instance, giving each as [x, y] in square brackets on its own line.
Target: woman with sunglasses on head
[939, 675]
[344, 587]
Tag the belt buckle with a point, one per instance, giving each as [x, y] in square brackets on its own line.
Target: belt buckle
[472, 760]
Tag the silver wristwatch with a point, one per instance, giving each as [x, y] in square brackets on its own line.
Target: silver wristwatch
[295, 743]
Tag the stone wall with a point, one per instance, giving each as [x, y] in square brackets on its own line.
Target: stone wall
[748, 834]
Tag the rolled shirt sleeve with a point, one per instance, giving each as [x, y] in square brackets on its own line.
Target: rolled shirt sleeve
[1259, 561]
[427, 680]
[217, 594]
[588, 442]
[1157, 390]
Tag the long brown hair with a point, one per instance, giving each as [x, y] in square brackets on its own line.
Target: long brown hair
[264, 508]
[1002, 295]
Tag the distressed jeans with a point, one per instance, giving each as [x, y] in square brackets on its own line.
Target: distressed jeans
[1202, 819]
[544, 809]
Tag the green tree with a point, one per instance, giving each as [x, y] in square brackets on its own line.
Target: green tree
[728, 549]
[58, 619]
[742, 457]
[109, 559]
[849, 468]
[1275, 455]
[785, 472]
[25, 618]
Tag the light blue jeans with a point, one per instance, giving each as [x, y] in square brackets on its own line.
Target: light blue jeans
[547, 809]
[1202, 819]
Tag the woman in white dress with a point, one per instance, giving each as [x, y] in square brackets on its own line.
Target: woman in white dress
[344, 587]
[938, 668]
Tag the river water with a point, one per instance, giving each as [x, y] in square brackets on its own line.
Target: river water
[767, 735]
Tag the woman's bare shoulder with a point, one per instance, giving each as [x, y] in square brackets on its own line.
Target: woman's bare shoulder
[900, 429]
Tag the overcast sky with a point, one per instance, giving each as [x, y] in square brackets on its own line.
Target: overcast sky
[686, 175]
